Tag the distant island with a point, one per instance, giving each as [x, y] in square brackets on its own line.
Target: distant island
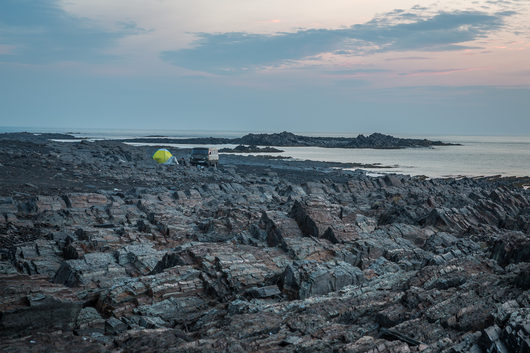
[282, 139]
[288, 139]
[250, 149]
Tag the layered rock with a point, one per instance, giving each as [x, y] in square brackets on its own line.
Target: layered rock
[250, 258]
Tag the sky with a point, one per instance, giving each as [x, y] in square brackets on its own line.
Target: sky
[330, 66]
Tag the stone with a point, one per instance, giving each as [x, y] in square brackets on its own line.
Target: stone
[89, 321]
[491, 341]
[511, 248]
[263, 292]
[304, 279]
[93, 268]
[114, 326]
[30, 303]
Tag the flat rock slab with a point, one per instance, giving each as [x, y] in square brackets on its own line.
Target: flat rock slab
[32, 303]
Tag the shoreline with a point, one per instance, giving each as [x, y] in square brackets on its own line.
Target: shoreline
[433, 163]
[102, 248]
[283, 139]
[61, 157]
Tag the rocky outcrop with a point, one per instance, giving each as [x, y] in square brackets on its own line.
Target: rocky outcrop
[31, 303]
[375, 140]
[304, 279]
[511, 247]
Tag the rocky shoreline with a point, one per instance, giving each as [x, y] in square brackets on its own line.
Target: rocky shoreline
[103, 250]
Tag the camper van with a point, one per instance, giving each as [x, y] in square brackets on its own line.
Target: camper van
[204, 156]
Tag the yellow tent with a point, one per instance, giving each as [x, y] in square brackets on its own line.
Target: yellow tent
[162, 156]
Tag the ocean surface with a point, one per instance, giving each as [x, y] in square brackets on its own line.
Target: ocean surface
[477, 155]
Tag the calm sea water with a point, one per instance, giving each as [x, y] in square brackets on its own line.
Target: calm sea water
[478, 155]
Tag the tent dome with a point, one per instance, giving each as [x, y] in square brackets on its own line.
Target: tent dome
[162, 156]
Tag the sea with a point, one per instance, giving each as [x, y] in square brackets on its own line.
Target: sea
[476, 156]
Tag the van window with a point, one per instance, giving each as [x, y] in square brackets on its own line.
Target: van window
[199, 151]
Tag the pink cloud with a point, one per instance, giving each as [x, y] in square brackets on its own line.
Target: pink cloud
[274, 20]
[440, 72]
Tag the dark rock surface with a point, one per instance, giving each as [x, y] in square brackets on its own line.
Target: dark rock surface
[250, 149]
[103, 250]
[375, 140]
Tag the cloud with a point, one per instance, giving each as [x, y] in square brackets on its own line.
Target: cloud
[42, 32]
[398, 31]
[356, 71]
[240, 50]
[407, 58]
[439, 72]
[443, 31]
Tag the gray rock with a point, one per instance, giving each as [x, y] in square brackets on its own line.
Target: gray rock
[93, 268]
[263, 292]
[491, 340]
[31, 304]
[511, 248]
[89, 321]
[114, 326]
[304, 279]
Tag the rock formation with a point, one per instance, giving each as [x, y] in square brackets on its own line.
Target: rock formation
[103, 250]
[375, 140]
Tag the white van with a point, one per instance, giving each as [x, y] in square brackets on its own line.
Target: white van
[204, 156]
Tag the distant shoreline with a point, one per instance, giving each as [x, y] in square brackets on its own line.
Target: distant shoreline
[108, 133]
[283, 139]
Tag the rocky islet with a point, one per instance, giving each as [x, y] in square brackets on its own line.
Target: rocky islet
[288, 139]
[250, 149]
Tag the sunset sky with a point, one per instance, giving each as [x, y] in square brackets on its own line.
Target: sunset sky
[358, 66]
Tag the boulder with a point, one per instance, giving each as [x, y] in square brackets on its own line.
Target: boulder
[304, 279]
[89, 322]
[512, 247]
